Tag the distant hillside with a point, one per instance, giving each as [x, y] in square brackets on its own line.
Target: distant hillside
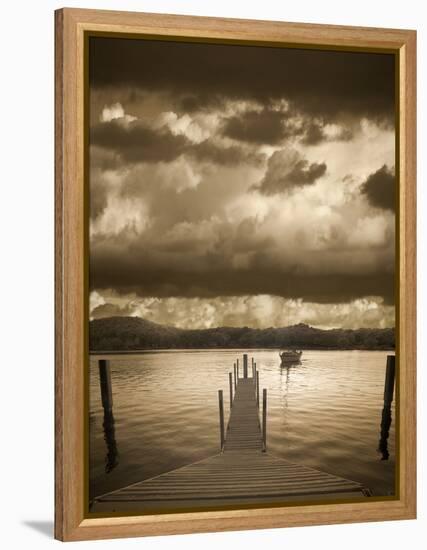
[134, 333]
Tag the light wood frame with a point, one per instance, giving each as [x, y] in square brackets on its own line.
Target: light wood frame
[71, 205]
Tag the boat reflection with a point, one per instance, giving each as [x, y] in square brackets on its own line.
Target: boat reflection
[290, 357]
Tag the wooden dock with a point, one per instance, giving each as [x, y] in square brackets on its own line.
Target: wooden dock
[242, 473]
[244, 430]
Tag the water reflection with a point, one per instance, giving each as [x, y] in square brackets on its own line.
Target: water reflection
[285, 386]
[386, 414]
[385, 430]
[112, 456]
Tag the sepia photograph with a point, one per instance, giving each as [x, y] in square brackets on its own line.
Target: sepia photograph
[242, 289]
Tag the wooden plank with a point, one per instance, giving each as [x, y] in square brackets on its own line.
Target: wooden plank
[230, 476]
[243, 431]
[175, 486]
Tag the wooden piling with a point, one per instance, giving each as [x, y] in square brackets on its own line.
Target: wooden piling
[386, 413]
[235, 377]
[105, 383]
[257, 389]
[245, 365]
[221, 417]
[230, 380]
[264, 419]
[389, 380]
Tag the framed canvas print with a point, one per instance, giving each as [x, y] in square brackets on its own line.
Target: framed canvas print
[235, 274]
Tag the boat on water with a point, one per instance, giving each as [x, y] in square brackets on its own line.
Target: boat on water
[290, 357]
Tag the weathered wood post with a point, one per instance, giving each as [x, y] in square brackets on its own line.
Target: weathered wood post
[107, 405]
[230, 380]
[235, 377]
[105, 383]
[388, 399]
[245, 365]
[389, 379]
[264, 419]
[221, 417]
[257, 389]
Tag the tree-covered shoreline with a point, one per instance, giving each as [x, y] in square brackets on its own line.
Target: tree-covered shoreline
[134, 333]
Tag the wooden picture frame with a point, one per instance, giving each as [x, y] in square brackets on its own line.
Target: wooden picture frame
[71, 27]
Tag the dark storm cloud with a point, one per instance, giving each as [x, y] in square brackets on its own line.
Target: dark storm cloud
[325, 83]
[173, 208]
[145, 274]
[138, 143]
[208, 151]
[115, 142]
[257, 127]
[272, 127]
[314, 133]
[286, 170]
[379, 189]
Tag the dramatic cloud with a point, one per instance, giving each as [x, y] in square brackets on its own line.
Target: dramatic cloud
[276, 126]
[136, 142]
[231, 186]
[122, 138]
[316, 132]
[259, 311]
[262, 127]
[379, 188]
[288, 169]
[207, 151]
[197, 75]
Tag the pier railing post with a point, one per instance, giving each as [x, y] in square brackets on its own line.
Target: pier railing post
[388, 399]
[245, 365]
[264, 419]
[235, 377]
[221, 417]
[105, 383]
[230, 380]
[257, 389]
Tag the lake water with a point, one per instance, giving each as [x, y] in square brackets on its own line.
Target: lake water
[324, 413]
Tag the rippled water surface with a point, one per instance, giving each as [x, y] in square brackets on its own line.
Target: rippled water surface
[324, 413]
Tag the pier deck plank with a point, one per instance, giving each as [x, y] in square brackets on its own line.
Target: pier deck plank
[244, 430]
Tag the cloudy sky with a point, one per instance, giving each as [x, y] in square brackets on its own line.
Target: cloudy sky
[241, 185]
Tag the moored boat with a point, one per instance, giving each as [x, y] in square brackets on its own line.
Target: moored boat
[289, 357]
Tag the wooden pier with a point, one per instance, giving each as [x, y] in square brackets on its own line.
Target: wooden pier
[242, 473]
